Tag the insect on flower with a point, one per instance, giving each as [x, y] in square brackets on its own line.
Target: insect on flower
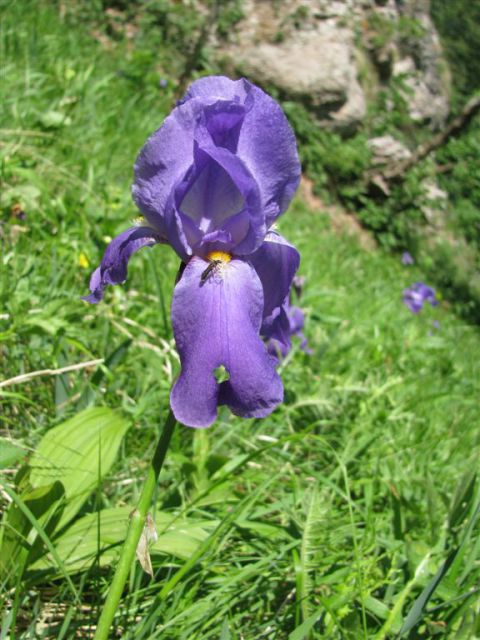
[211, 182]
[216, 259]
[211, 267]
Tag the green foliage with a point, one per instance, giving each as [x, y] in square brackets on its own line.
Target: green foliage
[461, 179]
[9, 453]
[337, 166]
[71, 453]
[100, 534]
[396, 220]
[69, 462]
[459, 26]
[382, 30]
[333, 163]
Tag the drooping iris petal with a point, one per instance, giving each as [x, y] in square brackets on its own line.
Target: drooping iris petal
[275, 262]
[276, 331]
[216, 323]
[113, 268]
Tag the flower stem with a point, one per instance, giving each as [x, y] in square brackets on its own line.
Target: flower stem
[135, 528]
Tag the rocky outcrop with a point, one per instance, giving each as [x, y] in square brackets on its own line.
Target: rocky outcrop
[315, 50]
[385, 150]
[307, 53]
[420, 63]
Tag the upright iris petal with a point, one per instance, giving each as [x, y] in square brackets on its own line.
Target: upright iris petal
[266, 140]
[225, 159]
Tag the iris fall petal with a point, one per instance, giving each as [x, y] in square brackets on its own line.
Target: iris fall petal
[216, 323]
[113, 268]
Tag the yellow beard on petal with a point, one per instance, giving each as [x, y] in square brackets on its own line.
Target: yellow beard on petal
[222, 256]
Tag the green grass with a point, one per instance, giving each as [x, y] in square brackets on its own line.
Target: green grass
[320, 515]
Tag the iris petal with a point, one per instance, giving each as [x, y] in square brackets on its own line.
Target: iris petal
[113, 268]
[219, 192]
[266, 141]
[216, 323]
[275, 262]
[267, 145]
[226, 156]
[279, 327]
[276, 331]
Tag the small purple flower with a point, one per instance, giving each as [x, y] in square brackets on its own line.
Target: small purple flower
[417, 295]
[407, 258]
[210, 183]
[162, 83]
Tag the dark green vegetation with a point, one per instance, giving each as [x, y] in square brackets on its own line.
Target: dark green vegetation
[326, 520]
[459, 26]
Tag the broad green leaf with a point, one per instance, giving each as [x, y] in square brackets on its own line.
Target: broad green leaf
[9, 453]
[106, 530]
[78, 453]
[33, 505]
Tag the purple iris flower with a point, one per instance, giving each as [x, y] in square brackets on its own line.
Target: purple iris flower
[407, 258]
[210, 183]
[417, 295]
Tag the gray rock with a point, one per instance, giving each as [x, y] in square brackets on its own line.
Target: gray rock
[308, 49]
[305, 49]
[385, 149]
[435, 203]
[421, 63]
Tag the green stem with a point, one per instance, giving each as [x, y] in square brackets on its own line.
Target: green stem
[135, 528]
[158, 284]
